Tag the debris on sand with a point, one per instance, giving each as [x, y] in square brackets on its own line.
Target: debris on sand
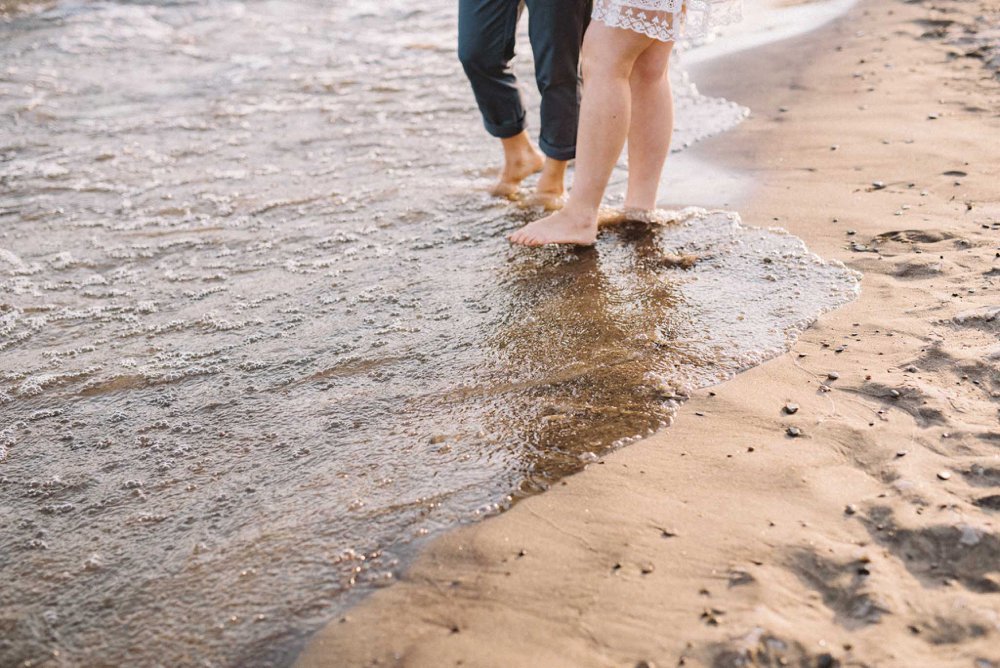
[681, 261]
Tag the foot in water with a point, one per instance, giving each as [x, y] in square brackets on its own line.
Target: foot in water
[563, 227]
[550, 193]
[520, 160]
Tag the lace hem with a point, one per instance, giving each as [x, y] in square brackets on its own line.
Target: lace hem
[668, 20]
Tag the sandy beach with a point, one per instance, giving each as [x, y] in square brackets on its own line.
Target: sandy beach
[835, 506]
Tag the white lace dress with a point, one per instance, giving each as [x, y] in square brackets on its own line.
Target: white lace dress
[668, 20]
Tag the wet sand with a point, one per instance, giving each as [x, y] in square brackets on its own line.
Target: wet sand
[262, 336]
[835, 506]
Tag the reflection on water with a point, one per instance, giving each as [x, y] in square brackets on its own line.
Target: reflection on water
[259, 335]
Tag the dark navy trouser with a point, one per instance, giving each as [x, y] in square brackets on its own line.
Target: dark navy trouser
[486, 30]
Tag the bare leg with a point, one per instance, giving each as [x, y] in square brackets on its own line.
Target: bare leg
[520, 160]
[652, 125]
[608, 57]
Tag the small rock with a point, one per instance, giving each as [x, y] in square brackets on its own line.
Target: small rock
[944, 475]
[794, 432]
[902, 453]
[711, 616]
[850, 509]
[791, 408]
[911, 369]
[833, 375]
[738, 578]
[878, 185]
[894, 394]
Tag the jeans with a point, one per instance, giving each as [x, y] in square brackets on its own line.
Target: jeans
[486, 32]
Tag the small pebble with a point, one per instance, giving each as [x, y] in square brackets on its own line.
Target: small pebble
[944, 475]
[878, 185]
[833, 375]
[794, 432]
[850, 509]
[791, 409]
[894, 394]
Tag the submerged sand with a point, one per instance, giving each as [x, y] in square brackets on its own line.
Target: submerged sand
[835, 506]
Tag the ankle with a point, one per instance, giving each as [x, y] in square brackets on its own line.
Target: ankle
[553, 177]
[582, 216]
[519, 149]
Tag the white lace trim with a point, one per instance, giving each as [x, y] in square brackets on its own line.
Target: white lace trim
[668, 20]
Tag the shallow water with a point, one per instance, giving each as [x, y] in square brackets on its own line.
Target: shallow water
[261, 332]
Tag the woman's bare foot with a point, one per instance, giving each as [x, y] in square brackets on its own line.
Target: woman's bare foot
[520, 160]
[562, 227]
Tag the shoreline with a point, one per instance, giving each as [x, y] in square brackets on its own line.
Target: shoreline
[868, 538]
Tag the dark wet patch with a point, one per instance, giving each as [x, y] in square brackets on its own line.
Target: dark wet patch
[991, 502]
[762, 649]
[906, 398]
[914, 236]
[916, 270]
[843, 586]
[945, 631]
[938, 553]
[982, 476]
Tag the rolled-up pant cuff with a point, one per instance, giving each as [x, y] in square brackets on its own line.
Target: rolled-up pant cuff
[507, 130]
[557, 152]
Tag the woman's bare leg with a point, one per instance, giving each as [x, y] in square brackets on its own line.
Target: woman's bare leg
[651, 127]
[608, 58]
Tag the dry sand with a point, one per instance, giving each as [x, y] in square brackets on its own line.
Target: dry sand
[868, 540]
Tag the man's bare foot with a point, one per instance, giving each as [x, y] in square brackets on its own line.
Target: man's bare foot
[562, 227]
[543, 200]
[550, 193]
[520, 160]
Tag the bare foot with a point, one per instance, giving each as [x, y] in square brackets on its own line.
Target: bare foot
[562, 227]
[545, 200]
[521, 160]
[550, 193]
